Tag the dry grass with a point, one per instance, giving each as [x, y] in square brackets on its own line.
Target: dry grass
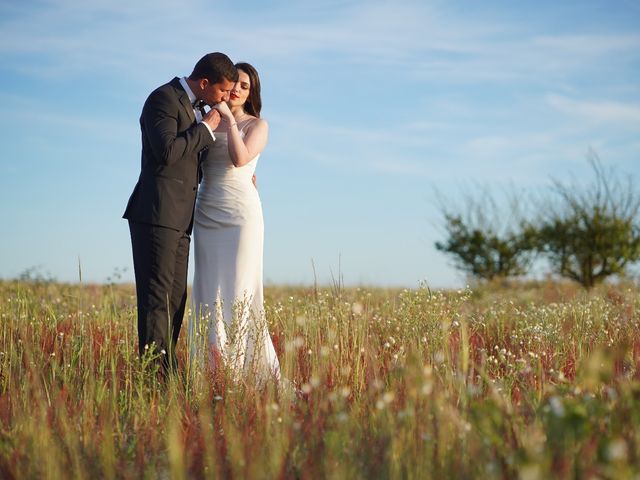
[528, 381]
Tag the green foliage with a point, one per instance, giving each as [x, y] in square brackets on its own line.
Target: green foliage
[590, 233]
[486, 241]
[483, 253]
[586, 233]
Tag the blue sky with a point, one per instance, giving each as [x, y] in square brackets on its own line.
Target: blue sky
[371, 105]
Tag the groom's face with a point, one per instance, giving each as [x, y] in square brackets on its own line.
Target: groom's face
[213, 93]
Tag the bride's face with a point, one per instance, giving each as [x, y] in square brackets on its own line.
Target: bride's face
[240, 91]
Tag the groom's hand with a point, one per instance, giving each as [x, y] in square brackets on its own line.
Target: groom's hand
[212, 118]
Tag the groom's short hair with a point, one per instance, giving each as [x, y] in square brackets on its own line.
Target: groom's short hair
[214, 67]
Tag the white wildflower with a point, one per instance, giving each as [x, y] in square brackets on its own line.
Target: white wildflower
[617, 450]
[556, 406]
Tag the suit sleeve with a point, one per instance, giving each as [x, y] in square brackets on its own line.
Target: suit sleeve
[160, 122]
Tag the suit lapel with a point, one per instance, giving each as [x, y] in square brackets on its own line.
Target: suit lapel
[184, 99]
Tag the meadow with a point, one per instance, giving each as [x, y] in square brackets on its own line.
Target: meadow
[530, 381]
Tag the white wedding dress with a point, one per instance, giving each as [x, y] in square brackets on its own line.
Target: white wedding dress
[228, 233]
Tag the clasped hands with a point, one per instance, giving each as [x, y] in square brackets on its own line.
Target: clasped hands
[218, 112]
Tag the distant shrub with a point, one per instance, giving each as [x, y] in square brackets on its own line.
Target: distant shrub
[593, 232]
[586, 233]
[486, 240]
[35, 274]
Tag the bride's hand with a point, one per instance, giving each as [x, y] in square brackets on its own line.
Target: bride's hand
[225, 113]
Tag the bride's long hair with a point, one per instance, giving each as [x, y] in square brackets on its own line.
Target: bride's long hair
[253, 105]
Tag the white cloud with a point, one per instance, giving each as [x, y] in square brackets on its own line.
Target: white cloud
[23, 110]
[424, 39]
[597, 112]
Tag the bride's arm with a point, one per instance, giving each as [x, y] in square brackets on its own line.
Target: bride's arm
[242, 151]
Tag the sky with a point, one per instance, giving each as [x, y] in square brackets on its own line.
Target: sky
[372, 105]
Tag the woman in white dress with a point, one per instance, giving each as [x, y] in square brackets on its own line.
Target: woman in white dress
[228, 317]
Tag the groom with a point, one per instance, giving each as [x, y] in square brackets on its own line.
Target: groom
[175, 130]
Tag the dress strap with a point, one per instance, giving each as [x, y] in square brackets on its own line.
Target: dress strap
[246, 124]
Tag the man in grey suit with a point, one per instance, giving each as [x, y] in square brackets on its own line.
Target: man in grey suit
[175, 130]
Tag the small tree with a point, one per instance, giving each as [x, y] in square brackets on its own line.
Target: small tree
[590, 233]
[484, 241]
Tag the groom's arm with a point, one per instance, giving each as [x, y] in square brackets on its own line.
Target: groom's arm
[160, 120]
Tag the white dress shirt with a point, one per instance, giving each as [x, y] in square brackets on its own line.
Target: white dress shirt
[192, 99]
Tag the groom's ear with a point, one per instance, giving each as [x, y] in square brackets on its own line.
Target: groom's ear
[203, 83]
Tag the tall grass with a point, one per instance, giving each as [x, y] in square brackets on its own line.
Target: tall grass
[531, 381]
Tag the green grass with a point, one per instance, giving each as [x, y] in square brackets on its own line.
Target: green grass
[528, 381]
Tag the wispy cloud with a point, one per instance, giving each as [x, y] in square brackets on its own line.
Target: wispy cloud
[598, 112]
[22, 110]
[383, 92]
[588, 45]
[424, 39]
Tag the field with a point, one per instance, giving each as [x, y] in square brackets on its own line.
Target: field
[530, 381]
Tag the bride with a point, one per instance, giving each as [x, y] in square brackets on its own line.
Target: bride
[228, 317]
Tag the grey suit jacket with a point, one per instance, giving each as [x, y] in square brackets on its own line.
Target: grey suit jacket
[171, 142]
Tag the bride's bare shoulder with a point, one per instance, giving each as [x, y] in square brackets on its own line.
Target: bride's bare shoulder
[257, 124]
[255, 121]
